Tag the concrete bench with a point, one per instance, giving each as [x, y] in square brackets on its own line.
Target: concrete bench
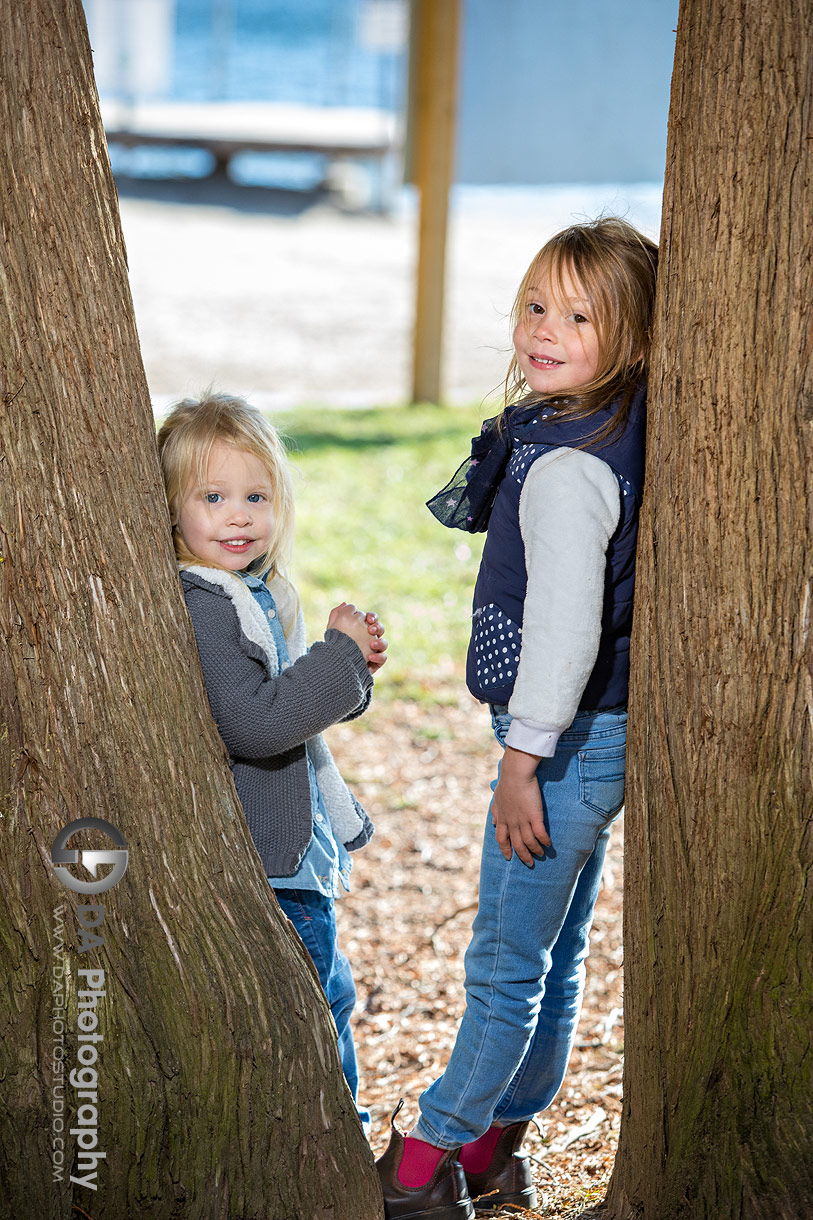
[227, 128]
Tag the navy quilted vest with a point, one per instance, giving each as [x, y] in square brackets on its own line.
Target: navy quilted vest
[499, 593]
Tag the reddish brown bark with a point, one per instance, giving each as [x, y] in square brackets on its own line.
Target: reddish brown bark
[717, 1115]
[219, 1087]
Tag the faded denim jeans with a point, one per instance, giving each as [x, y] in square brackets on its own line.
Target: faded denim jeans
[314, 917]
[525, 965]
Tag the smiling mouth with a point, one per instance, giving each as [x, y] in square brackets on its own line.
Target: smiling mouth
[545, 362]
[236, 544]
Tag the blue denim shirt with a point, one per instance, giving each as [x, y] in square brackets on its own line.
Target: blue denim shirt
[326, 864]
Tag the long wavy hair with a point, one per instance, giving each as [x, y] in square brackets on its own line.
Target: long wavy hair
[185, 441]
[616, 268]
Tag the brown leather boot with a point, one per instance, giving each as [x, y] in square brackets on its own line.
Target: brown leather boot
[508, 1177]
[443, 1197]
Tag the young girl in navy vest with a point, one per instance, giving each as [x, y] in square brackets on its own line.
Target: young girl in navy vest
[229, 489]
[556, 479]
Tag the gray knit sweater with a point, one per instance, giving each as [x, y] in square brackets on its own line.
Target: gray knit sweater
[266, 715]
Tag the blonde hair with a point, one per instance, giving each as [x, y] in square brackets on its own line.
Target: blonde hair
[185, 441]
[616, 268]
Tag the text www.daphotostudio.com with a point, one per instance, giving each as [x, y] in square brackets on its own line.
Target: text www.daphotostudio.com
[77, 1115]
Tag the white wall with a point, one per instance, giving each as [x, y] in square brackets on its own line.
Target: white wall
[132, 43]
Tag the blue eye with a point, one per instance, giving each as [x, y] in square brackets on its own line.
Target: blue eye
[213, 497]
[255, 497]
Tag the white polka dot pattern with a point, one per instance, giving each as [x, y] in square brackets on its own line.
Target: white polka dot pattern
[521, 459]
[524, 455]
[496, 640]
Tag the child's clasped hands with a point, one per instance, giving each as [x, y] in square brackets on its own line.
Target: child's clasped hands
[364, 629]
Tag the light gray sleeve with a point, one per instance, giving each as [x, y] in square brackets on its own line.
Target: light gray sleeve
[568, 511]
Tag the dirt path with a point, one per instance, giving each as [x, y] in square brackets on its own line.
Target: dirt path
[291, 301]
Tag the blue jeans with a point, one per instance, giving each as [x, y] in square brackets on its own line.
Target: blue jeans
[314, 917]
[525, 966]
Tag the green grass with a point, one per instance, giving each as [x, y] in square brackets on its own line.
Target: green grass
[364, 534]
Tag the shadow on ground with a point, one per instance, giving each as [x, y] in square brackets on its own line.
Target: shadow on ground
[219, 191]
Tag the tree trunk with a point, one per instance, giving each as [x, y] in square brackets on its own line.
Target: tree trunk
[718, 1112]
[216, 1089]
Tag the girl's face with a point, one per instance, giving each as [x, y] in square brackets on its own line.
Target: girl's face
[556, 341]
[229, 520]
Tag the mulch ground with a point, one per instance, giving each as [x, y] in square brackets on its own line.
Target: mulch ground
[423, 774]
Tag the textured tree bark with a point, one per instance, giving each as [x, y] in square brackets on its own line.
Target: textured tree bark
[218, 1090]
[718, 1112]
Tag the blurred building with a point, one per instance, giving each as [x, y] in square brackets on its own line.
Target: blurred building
[565, 90]
[551, 91]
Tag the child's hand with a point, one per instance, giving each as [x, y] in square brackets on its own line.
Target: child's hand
[516, 809]
[377, 643]
[364, 629]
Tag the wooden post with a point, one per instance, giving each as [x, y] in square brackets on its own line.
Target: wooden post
[433, 106]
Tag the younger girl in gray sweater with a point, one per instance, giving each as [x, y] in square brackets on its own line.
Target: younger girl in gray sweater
[229, 491]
